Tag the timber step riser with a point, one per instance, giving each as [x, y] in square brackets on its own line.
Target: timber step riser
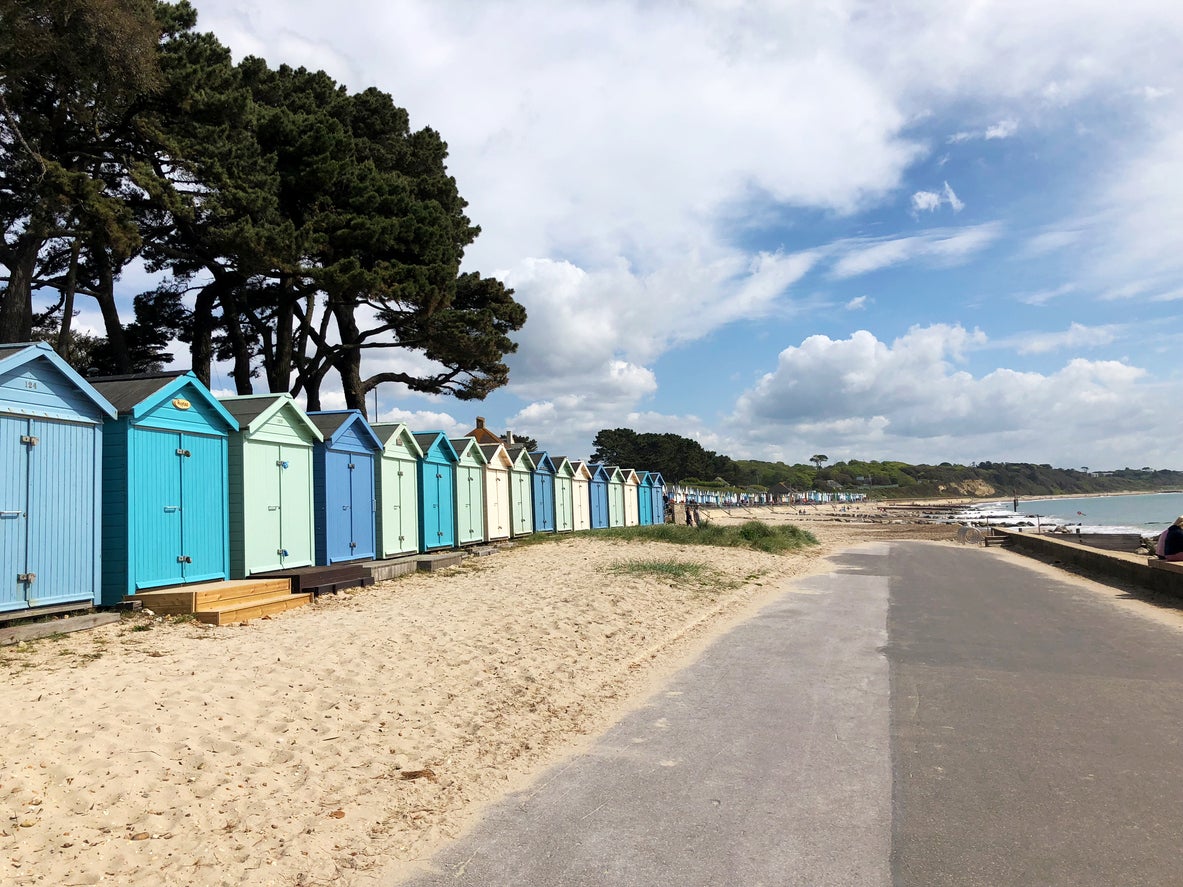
[221, 603]
[248, 611]
[321, 579]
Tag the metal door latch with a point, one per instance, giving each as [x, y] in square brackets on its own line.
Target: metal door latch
[30, 440]
[181, 452]
[184, 559]
[26, 577]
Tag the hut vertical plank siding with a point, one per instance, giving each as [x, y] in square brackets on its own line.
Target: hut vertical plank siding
[645, 499]
[657, 491]
[343, 484]
[437, 489]
[544, 493]
[498, 515]
[50, 481]
[598, 489]
[398, 491]
[632, 499]
[521, 480]
[165, 483]
[564, 496]
[580, 496]
[272, 505]
[615, 496]
[470, 491]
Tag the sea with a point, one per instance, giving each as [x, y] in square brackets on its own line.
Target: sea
[1141, 513]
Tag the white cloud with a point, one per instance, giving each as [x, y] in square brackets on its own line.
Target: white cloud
[925, 201]
[1077, 337]
[909, 399]
[1003, 129]
[858, 303]
[944, 247]
[1042, 297]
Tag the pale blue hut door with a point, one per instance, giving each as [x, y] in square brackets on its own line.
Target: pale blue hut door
[62, 511]
[156, 525]
[203, 518]
[14, 503]
[361, 505]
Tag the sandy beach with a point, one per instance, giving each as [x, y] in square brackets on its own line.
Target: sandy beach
[351, 738]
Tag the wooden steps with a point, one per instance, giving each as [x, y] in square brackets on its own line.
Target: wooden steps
[222, 603]
[318, 580]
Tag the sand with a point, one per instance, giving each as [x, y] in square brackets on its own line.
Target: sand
[355, 736]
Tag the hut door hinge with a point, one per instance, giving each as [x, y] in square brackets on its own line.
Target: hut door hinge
[26, 577]
[30, 440]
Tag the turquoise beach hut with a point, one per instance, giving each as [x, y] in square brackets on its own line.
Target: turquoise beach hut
[470, 491]
[521, 491]
[344, 464]
[544, 493]
[645, 499]
[272, 507]
[437, 491]
[166, 491]
[397, 524]
[657, 490]
[51, 447]
[598, 495]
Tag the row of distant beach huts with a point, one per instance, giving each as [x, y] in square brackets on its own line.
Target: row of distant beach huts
[110, 487]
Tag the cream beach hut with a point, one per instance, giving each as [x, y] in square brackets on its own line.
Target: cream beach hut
[397, 521]
[498, 520]
[632, 486]
[580, 496]
[564, 495]
[521, 491]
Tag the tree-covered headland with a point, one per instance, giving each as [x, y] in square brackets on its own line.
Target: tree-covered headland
[682, 460]
[296, 224]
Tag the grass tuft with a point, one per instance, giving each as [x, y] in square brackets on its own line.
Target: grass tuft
[771, 538]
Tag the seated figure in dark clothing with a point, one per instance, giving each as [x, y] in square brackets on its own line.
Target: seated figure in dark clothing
[1172, 541]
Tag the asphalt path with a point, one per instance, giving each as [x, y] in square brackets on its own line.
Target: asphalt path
[922, 715]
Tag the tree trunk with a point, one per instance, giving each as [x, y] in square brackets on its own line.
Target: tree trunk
[16, 306]
[231, 317]
[348, 359]
[106, 300]
[279, 371]
[64, 343]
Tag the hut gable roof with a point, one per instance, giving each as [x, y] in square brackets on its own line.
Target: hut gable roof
[656, 479]
[615, 475]
[631, 476]
[139, 394]
[543, 462]
[14, 357]
[520, 458]
[437, 440]
[253, 411]
[563, 467]
[579, 468]
[599, 471]
[496, 454]
[336, 424]
[392, 433]
[467, 449]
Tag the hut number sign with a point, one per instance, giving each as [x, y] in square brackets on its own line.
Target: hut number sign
[181, 404]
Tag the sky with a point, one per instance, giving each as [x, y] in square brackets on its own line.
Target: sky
[920, 230]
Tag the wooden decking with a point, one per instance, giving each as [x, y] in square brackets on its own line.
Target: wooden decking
[223, 603]
[319, 580]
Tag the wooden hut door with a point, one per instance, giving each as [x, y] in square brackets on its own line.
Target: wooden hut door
[361, 506]
[263, 488]
[156, 521]
[203, 517]
[470, 526]
[14, 518]
[296, 545]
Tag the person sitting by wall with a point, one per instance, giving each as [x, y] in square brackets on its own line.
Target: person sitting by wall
[1170, 542]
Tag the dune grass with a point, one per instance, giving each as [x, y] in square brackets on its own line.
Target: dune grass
[771, 538]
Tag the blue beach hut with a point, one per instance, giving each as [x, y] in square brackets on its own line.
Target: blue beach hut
[51, 438]
[598, 495]
[437, 491]
[344, 466]
[657, 491]
[645, 498]
[544, 493]
[165, 484]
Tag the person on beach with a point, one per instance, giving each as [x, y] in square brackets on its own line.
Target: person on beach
[1170, 541]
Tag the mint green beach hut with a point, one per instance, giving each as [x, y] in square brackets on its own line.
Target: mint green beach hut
[615, 496]
[521, 491]
[470, 491]
[564, 495]
[271, 504]
[398, 490]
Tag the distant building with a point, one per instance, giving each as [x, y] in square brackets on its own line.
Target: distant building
[482, 434]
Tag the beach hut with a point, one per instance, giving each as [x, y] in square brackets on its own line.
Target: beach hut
[564, 495]
[51, 448]
[580, 496]
[470, 491]
[657, 490]
[397, 523]
[615, 496]
[632, 486]
[272, 507]
[498, 517]
[166, 496]
[521, 491]
[437, 491]
[645, 499]
[343, 469]
[544, 493]
[598, 496]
